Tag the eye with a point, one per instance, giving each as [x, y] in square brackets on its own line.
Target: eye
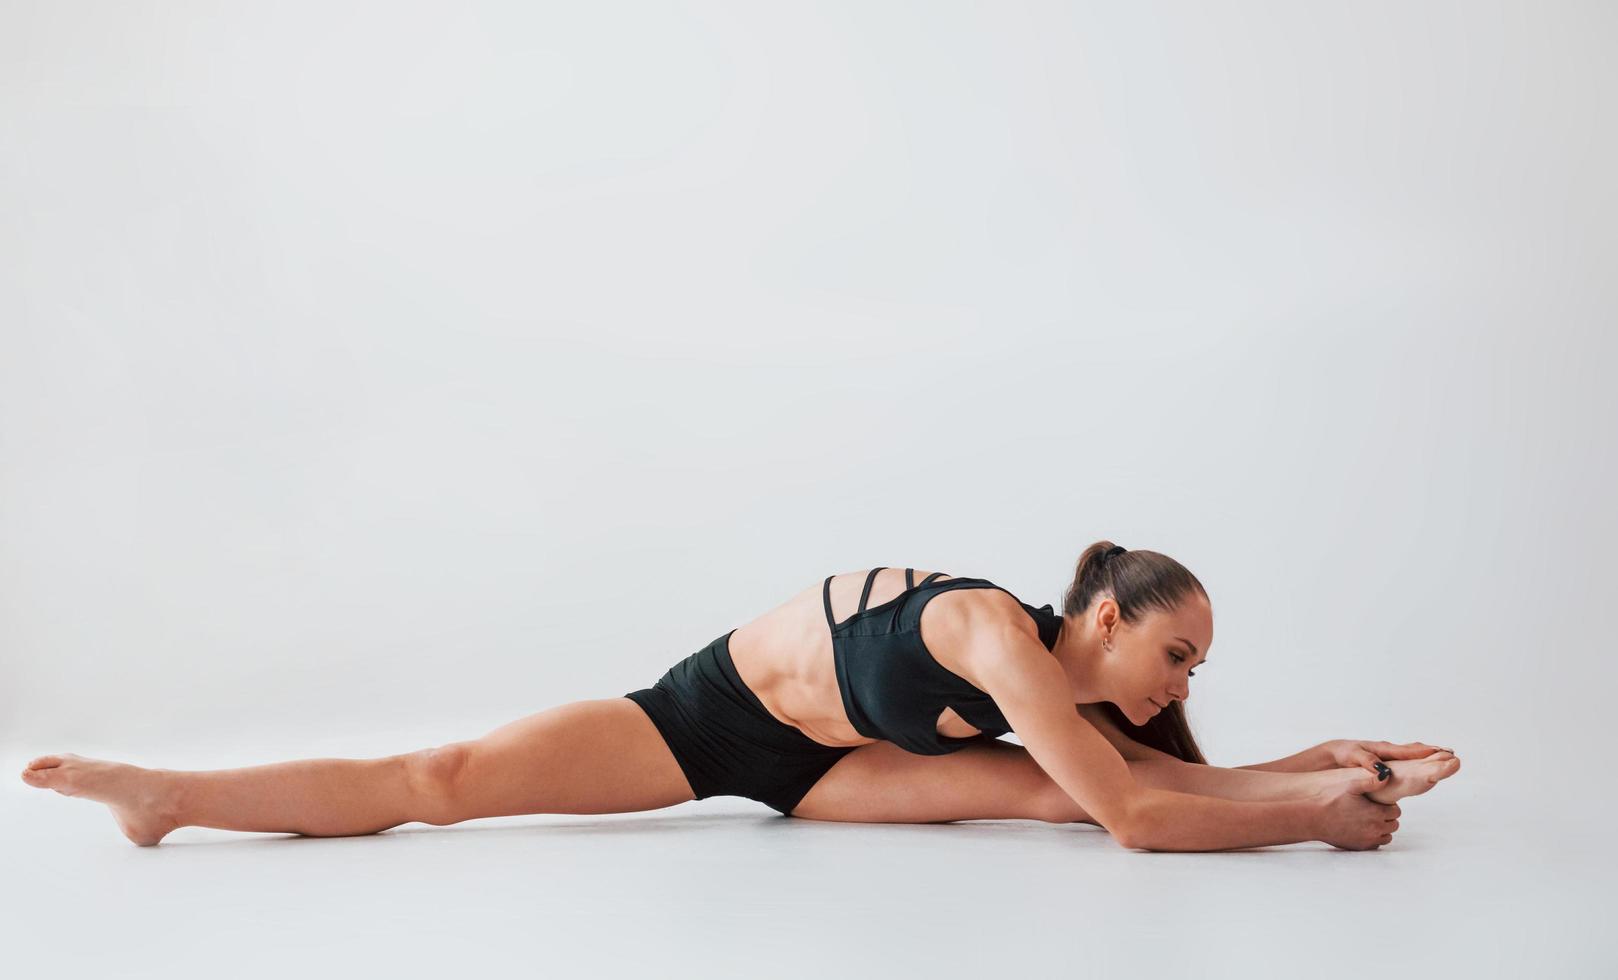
[1180, 660]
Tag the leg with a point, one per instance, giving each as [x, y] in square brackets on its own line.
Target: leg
[1408, 777]
[599, 756]
[995, 780]
[317, 797]
[882, 783]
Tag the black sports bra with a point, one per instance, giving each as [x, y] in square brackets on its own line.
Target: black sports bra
[892, 687]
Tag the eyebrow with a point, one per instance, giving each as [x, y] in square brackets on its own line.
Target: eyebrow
[1193, 647]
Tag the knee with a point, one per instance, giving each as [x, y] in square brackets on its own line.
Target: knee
[435, 774]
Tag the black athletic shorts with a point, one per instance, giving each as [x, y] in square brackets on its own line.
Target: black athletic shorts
[725, 740]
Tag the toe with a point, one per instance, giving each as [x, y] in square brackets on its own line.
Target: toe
[45, 762]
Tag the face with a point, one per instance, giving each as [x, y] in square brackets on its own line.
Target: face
[1151, 661]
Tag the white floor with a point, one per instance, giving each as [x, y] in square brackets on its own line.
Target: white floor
[727, 887]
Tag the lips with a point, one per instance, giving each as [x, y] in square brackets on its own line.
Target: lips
[1159, 706]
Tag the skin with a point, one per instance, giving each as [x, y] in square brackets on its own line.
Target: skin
[1140, 667]
[605, 756]
[785, 655]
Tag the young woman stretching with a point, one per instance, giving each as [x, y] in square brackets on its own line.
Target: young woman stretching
[884, 711]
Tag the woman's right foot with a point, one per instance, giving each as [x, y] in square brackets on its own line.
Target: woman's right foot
[1412, 777]
[139, 798]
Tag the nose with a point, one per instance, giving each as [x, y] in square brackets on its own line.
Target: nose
[1180, 693]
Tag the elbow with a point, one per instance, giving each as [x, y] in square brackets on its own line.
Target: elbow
[1128, 838]
[1132, 828]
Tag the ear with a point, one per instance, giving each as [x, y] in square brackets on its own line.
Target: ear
[1106, 614]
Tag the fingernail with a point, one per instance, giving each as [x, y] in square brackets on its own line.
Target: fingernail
[1383, 772]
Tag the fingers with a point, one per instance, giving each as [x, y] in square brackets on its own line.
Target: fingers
[1409, 750]
[1375, 767]
[1395, 750]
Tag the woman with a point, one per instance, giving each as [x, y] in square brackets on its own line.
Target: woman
[880, 711]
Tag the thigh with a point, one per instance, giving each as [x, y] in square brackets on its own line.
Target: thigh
[596, 756]
[993, 780]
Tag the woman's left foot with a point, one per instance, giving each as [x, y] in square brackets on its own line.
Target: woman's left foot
[139, 799]
[1412, 777]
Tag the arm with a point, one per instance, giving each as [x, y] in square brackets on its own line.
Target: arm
[1165, 820]
[1313, 759]
[1309, 760]
[1030, 689]
[1159, 770]
[1236, 784]
[1347, 753]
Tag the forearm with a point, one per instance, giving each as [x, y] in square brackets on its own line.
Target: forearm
[1165, 820]
[1309, 760]
[1233, 784]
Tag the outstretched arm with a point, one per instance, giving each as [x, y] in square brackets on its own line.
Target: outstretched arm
[1296, 777]
[1238, 784]
[1312, 759]
[1019, 674]
[1345, 753]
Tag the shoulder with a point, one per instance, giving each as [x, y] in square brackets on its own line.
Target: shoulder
[969, 630]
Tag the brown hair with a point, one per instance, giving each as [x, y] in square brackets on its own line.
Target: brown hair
[1139, 581]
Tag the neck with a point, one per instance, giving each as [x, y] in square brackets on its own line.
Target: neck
[1078, 650]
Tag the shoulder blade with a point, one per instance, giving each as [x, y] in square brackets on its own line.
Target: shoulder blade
[968, 626]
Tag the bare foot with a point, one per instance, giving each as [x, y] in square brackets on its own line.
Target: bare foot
[139, 799]
[1412, 777]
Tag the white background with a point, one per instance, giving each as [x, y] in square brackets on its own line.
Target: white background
[374, 374]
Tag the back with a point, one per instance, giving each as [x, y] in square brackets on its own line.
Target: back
[891, 685]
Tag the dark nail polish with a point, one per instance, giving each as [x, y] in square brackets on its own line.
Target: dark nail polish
[1383, 772]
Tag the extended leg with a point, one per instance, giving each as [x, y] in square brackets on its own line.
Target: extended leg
[598, 756]
[313, 797]
[601, 756]
[1409, 777]
[996, 780]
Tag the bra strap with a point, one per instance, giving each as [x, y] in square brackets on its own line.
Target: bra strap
[869, 581]
[826, 596]
[910, 579]
[931, 577]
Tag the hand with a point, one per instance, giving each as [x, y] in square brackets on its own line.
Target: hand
[1348, 753]
[1350, 820]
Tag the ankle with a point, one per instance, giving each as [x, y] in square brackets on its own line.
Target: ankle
[168, 794]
